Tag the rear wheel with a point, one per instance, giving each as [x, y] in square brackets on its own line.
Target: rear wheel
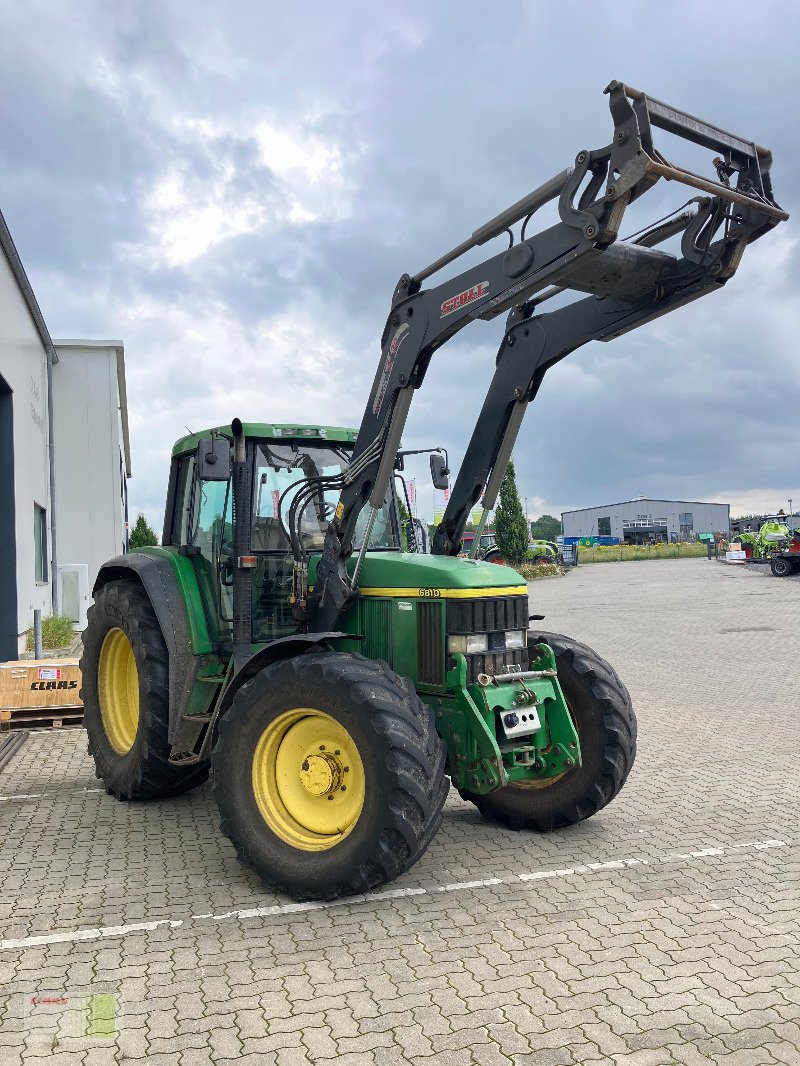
[781, 567]
[329, 775]
[606, 724]
[125, 693]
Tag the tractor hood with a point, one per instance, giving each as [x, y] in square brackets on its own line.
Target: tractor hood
[409, 574]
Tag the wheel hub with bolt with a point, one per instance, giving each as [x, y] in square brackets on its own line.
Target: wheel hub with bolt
[308, 779]
[321, 774]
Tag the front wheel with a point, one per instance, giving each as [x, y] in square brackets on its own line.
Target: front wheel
[606, 725]
[329, 775]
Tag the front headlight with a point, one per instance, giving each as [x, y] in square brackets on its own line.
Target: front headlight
[476, 643]
[467, 644]
[515, 638]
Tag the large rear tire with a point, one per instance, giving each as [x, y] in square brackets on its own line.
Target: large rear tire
[606, 724]
[125, 693]
[329, 775]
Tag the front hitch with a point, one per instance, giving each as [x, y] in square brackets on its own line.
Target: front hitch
[511, 727]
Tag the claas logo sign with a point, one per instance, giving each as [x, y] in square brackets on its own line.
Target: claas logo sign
[49, 677]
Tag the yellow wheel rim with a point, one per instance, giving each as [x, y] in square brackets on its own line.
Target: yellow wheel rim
[118, 687]
[308, 779]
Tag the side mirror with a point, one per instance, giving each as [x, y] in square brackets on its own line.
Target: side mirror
[214, 459]
[439, 472]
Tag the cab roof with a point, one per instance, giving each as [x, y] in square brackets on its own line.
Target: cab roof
[283, 432]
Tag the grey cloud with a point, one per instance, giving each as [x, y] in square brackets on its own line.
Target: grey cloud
[442, 115]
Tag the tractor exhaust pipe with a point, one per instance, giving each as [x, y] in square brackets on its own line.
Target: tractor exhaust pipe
[242, 476]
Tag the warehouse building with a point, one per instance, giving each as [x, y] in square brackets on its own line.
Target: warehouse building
[644, 519]
[64, 460]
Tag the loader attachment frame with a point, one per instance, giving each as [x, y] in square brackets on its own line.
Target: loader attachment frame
[622, 285]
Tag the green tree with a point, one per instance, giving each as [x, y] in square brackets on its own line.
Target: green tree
[405, 518]
[141, 536]
[546, 528]
[511, 527]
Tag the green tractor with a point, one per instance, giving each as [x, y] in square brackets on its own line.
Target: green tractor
[334, 685]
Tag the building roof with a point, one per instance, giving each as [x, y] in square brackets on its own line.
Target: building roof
[644, 499]
[28, 295]
[119, 350]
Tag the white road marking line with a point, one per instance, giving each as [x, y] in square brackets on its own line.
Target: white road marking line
[456, 885]
[48, 795]
[104, 932]
[313, 905]
[75, 935]
[568, 872]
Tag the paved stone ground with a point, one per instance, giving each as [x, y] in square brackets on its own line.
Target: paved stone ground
[761, 570]
[664, 930]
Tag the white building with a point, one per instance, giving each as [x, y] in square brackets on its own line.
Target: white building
[64, 459]
[645, 519]
[91, 434]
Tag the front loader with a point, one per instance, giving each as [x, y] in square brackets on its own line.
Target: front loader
[334, 684]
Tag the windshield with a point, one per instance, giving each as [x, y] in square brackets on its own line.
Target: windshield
[279, 470]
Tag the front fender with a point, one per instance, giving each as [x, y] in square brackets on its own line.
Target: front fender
[282, 648]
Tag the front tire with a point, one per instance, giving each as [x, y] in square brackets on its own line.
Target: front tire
[125, 692]
[328, 775]
[606, 724]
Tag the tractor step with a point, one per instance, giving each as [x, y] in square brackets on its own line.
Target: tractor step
[185, 758]
[192, 729]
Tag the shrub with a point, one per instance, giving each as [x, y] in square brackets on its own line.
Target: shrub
[533, 571]
[614, 553]
[57, 632]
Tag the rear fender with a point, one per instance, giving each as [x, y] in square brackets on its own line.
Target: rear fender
[156, 574]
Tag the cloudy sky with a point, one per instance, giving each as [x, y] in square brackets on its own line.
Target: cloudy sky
[234, 188]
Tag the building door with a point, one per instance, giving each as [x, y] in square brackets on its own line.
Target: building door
[9, 648]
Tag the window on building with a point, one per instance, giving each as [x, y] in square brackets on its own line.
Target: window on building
[40, 541]
[686, 523]
[604, 527]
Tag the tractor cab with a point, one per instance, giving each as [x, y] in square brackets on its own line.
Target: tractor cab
[200, 516]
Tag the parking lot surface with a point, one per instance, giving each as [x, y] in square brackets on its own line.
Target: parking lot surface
[664, 930]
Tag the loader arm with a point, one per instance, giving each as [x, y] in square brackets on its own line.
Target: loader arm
[629, 283]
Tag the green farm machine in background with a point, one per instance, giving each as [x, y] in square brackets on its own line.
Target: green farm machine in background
[335, 684]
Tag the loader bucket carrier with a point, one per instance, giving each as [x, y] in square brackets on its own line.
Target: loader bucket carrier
[630, 283]
[337, 683]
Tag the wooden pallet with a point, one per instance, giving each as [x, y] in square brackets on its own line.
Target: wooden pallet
[40, 718]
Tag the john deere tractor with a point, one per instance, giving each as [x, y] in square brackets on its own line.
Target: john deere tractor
[333, 684]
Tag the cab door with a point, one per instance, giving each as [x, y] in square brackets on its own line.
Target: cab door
[198, 524]
[211, 531]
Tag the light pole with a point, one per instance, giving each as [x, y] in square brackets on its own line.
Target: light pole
[791, 519]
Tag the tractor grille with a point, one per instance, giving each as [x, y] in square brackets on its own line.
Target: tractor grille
[487, 616]
[430, 652]
[492, 616]
[377, 621]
